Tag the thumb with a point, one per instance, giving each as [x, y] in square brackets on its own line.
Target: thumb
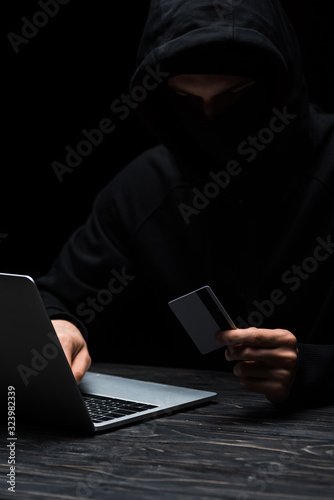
[80, 364]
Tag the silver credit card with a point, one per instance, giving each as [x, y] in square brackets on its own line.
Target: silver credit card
[202, 316]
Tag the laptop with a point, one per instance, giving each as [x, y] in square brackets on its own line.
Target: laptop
[35, 371]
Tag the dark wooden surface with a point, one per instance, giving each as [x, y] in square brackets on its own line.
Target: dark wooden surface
[240, 448]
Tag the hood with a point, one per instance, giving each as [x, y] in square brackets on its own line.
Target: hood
[251, 38]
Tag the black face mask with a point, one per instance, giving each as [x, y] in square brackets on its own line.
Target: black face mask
[219, 138]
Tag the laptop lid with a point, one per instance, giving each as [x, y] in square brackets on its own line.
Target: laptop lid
[33, 362]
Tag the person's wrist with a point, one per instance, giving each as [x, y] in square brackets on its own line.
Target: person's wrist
[65, 326]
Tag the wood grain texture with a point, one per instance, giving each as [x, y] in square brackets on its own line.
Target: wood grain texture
[240, 447]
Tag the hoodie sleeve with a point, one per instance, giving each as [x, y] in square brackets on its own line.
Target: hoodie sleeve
[95, 274]
[99, 272]
[315, 376]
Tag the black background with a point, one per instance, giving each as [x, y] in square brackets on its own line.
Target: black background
[64, 80]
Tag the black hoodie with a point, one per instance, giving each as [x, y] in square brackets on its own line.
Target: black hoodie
[254, 220]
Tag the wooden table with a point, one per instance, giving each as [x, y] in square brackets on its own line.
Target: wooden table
[239, 447]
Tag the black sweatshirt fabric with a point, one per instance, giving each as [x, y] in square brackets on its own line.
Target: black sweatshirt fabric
[243, 203]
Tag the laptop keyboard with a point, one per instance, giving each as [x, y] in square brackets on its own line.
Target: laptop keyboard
[101, 408]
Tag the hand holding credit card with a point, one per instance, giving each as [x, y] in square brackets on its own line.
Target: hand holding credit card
[202, 316]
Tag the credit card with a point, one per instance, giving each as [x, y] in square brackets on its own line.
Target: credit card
[202, 316]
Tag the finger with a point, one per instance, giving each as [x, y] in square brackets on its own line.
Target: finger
[255, 370]
[260, 385]
[256, 336]
[281, 356]
[67, 347]
[274, 390]
[80, 364]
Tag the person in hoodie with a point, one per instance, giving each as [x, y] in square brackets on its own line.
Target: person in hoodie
[238, 195]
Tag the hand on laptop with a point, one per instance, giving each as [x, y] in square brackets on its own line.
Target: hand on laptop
[74, 347]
